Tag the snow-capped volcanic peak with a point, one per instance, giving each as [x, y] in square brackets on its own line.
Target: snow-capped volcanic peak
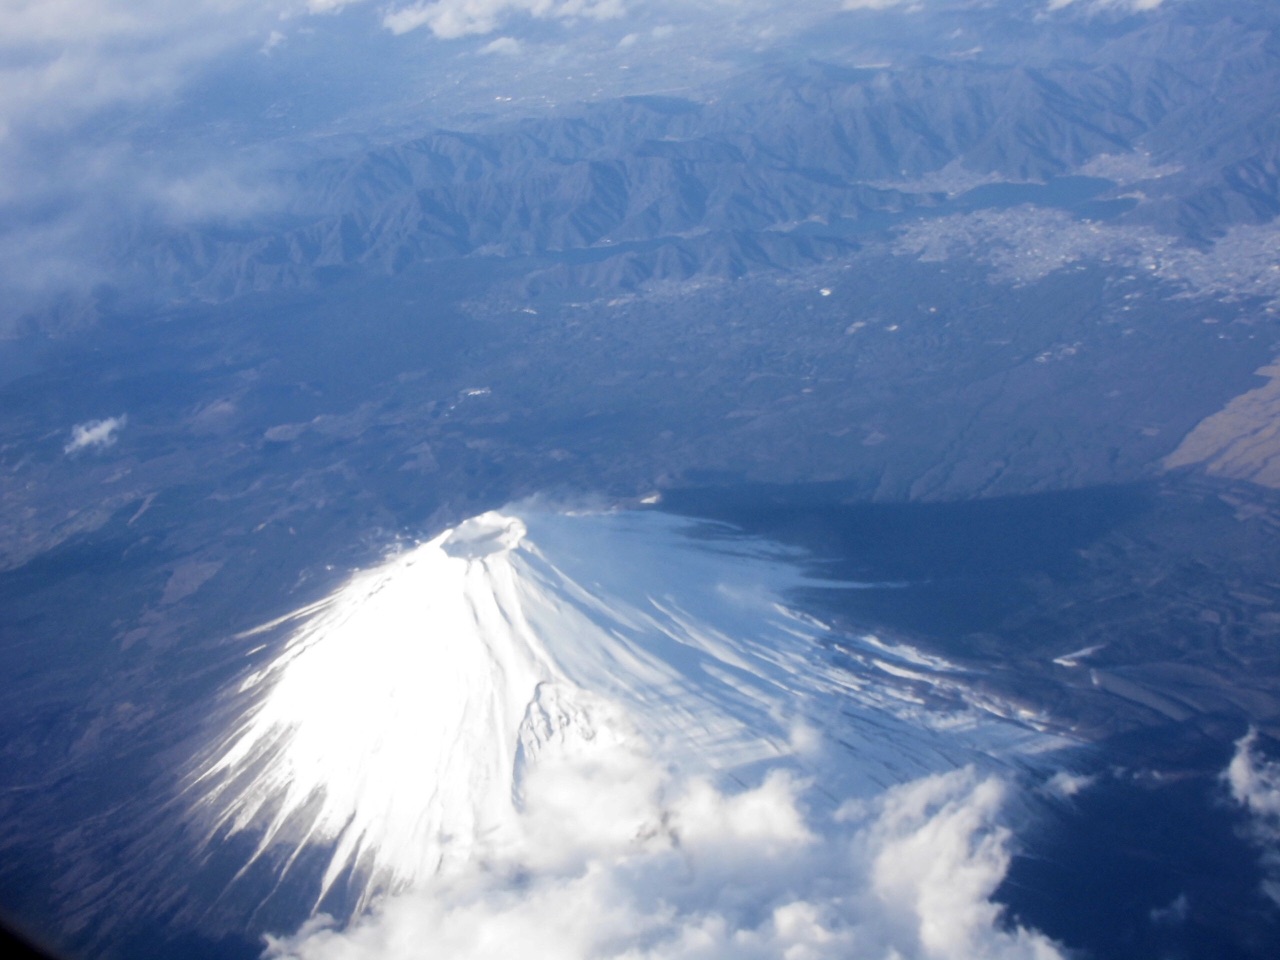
[483, 536]
[404, 721]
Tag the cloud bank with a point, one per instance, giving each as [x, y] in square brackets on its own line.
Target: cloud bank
[1254, 782]
[63, 59]
[95, 434]
[621, 862]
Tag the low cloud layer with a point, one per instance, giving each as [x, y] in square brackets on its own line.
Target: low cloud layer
[1254, 782]
[62, 59]
[619, 861]
[95, 434]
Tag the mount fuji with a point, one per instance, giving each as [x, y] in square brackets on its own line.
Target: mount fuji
[620, 718]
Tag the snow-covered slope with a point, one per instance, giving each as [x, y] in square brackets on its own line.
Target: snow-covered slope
[400, 726]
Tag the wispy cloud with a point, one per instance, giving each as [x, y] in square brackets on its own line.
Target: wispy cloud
[1136, 6]
[878, 4]
[506, 46]
[77, 189]
[62, 59]
[67, 181]
[1066, 785]
[95, 434]
[458, 18]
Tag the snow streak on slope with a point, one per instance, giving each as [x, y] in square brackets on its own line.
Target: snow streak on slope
[540, 699]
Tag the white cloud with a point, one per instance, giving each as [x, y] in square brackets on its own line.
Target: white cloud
[224, 190]
[274, 39]
[877, 4]
[61, 59]
[661, 32]
[595, 735]
[458, 18]
[1066, 785]
[1097, 5]
[98, 434]
[1254, 782]
[654, 869]
[506, 46]
[65, 62]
